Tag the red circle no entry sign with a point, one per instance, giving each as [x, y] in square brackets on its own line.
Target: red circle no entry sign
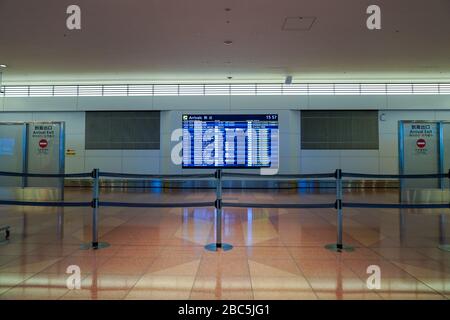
[421, 143]
[43, 143]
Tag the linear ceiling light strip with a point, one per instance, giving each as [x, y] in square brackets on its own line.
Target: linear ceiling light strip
[327, 89]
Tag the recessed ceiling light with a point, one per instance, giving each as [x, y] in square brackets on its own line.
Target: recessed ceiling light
[3, 65]
[228, 42]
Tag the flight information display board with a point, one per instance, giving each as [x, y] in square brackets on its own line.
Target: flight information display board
[230, 141]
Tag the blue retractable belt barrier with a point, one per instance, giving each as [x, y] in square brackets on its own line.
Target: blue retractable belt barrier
[279, 205]
[46, 175]
[45, 203]
[226, 174]
[278, 176]
[155, 176]
[226, 204]
[218, 203]
[395, 176]
[155, 205]
[395, 205]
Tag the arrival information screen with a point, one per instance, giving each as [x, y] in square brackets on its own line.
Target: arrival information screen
[230, 141]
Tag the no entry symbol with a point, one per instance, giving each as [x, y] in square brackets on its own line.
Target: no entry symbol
[421, 143]
[43, 143]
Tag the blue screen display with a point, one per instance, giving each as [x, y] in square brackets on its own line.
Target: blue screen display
[230, 141]
[7, 146]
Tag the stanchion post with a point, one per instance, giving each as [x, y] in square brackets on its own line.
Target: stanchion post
[218, 221]
[95, 194]
[339, 245]
[95, 244]
[443, 245]
[339, 208]
[218, 208]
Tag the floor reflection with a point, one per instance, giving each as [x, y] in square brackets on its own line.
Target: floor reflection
[278, 253]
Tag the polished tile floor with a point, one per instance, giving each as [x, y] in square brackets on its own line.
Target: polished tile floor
[277, 254]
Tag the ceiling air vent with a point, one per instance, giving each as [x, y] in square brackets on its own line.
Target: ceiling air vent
[298, 23]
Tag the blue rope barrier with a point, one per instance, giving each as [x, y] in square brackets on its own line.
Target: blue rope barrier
[155, 205]
[279, 205]
[395, 206]
[395, 176]
[46, 175]
[154, 176]
[45, 203]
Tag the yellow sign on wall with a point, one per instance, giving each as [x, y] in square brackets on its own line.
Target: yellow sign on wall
[70, 152]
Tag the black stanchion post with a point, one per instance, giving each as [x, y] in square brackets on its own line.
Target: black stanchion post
[339, 246]
[95, 244]
[218, 221]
